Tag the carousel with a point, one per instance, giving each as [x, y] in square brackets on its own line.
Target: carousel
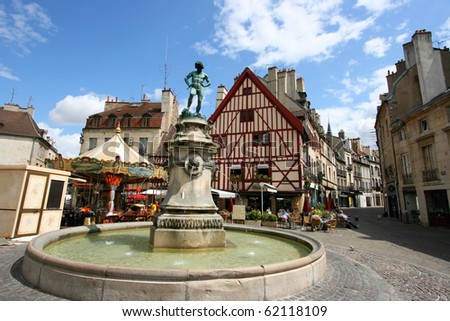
[112, 165]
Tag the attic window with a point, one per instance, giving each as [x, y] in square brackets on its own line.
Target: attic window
[247, 116]
[146, 119]
[126, 120]
[112, 121]
[247, 91]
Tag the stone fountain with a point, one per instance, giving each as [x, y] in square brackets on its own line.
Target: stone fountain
[188, 222]
[189, 218]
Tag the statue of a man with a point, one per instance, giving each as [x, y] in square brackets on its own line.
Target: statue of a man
[199, 80]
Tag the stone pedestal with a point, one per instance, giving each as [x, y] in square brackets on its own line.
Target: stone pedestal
[189, 218]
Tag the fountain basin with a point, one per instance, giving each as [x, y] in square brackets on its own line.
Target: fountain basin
[86, 281]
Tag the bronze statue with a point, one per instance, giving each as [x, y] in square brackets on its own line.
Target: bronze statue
[199, 80]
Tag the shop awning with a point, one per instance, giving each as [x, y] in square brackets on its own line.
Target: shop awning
[223, 194]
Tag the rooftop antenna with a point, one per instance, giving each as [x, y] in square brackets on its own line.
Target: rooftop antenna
[12, 96]
[142, 91]
[29, 101]
[165, 63]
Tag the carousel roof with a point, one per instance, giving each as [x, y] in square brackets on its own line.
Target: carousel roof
[114, 147]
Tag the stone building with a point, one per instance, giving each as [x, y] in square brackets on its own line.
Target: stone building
[26, 143]
[413, 134]
[143, 124]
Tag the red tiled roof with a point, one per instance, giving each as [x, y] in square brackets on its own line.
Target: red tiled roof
[136, 110]
[293, 121]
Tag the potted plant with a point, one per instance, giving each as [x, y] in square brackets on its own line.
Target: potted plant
[235, 177]
[262, 177]
[253, 218]
[269, 220]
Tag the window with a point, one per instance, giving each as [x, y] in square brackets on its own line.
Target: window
[112, 121]
[406, 164]
[423, 125]
[247, 116]
[126, 120]
[96, 121]
[407, 177]
[428, 157]
[247, 91]
[92, 143]
[261, 139]
[262, 172]
[235, 172]
[402, 134]
[143, 141]
[146, 120]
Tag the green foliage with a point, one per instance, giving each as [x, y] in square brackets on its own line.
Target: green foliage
[262, 177]
[269, 217]
[253, 215]
[320, 206]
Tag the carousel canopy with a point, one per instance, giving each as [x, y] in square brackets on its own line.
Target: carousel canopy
[114, 147]
[112, 160]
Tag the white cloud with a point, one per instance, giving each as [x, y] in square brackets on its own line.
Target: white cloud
[22, 26]
[204, 47]
[380, 6]
[156, 95]
[403, 38]
[285, 31]
[377, 47]
[443, 35]
[5, 72]
[73, 110]
[357, 119]
[67, 144]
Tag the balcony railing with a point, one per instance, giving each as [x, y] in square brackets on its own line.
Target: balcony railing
[430, 175]
[407, 179]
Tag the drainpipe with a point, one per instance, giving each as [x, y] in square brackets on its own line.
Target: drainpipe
[32, 151]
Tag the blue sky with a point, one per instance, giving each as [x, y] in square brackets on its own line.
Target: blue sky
[66, 57]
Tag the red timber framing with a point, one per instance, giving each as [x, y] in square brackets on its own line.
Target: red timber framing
[261, 140]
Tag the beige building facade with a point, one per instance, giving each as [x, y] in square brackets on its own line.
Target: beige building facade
[26, 143]
[143, 125]
[413, 134]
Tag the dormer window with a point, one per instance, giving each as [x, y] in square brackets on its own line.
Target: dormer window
[146, 120]
[126, 121]
[112, 121]
[96, 121]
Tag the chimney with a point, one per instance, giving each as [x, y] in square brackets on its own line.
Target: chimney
[282, 86]
[221, 93]
[429, 66]
[272, 81]
[291, 84]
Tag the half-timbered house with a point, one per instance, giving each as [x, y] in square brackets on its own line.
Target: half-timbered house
[261, 139]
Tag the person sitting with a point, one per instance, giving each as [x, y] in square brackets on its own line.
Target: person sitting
[324, 221]
[284, 216]
[346, 219]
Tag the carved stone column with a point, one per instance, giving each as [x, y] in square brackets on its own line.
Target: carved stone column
[189, 216]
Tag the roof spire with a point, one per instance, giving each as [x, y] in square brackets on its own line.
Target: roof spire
[329, 127]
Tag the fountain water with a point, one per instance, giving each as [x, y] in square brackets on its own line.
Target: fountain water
[188, 222]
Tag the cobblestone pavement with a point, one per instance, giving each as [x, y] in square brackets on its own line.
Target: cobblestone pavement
[383, 260]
